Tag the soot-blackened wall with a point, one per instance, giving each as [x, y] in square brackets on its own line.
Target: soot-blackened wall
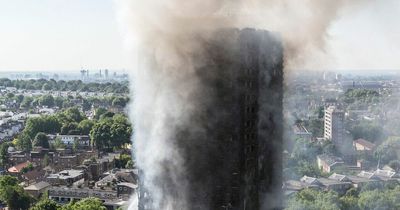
[231, 147]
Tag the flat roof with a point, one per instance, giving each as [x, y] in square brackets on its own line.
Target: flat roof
[66, 174]
[37, 186]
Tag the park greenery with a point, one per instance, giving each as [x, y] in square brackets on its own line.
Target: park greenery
[61, 85]
[84, 204]
[302, 159]
[108, 131]
[380, 197]
[13, 194]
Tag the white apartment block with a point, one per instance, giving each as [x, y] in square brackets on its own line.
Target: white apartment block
[334, 125]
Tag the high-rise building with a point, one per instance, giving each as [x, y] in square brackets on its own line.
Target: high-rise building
[334, 125]
[106, 73]
[232, 149]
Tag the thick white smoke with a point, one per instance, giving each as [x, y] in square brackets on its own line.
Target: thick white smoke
[165, 32]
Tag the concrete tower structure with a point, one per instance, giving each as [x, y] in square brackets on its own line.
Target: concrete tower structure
[232, 148]
[334, 125]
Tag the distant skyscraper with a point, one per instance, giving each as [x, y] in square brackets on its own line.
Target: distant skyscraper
[106, 73]
[83, 73]
[334, 125]
[232, 149]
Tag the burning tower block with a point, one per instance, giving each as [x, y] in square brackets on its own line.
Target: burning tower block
[231, 149]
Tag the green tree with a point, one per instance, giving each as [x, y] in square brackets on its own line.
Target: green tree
[26, 102]
[101, 134]
[45, 123]
[46, 100]
[3, 154]
[24, 142]
[85, 126]
[58, 144]
[46, 204]
[314, 200]
[74, 115]
[86, 105]
[68, 127]
[388, 150]
[46, 86]
[119, 101]
[46, 160]
[395, 164]
[41, 140]
[86, 204]
[10, 95]
[13, 194]
[98, 112]
[123, 160]
[349, 203]
[367, 130]
[377, 199]
[58, 101]
[19, 98]
[107, 115]
[121, 133]
[130, 164]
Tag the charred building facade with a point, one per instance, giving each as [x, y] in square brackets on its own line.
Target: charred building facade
[231, 149]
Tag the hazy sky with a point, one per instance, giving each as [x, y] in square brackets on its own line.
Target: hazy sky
[61, 35]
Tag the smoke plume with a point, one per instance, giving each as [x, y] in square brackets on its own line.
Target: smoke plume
[164, 38]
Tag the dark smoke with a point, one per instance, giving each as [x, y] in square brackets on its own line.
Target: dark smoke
[182, 91]
[225, 142]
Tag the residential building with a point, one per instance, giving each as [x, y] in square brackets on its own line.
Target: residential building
[37, 189]
[363, 145]
[66, 177]
[387, 175]
[301, 132]
[334, 185]
[64, 195]
[334, 125]
[329, 162]
[17, 169]
[83, 141]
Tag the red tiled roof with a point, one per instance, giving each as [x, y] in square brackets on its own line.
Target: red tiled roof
[18, 168]
[365, 143]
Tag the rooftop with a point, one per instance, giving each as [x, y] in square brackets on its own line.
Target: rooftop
[330, 159]
[18, 168]
[365, 143]
[367, 175]
[385, 173]
[66, 174]
[37, 186]
[339, 177]
[309, 180]
[328, 182]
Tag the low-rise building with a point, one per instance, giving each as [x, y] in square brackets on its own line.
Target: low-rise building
[37, 189]
[364, 178]
[301, 132]
[329, 162]
[387, 176]
[83, 141]
[17, 169]
[363, 145]
[66, 177]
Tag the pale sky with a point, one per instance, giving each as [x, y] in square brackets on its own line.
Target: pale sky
[59, 35]
[65, 35]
